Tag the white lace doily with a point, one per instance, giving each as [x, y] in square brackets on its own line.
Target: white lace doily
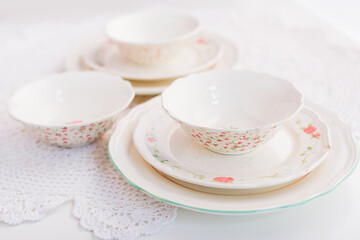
[36, 177]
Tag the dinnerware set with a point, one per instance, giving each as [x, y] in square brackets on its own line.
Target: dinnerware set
[152, 49]
[218, 141]
[320, 179]
[229, 111]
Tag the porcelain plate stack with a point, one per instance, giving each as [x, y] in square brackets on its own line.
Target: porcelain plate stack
[152, 49]
[213, 145]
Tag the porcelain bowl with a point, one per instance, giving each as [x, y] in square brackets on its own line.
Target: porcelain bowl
[73, 108]
[152, 37]
[231, 111]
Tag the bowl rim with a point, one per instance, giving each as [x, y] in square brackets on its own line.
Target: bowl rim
[237, 130]
[189, 34]
[86, 122]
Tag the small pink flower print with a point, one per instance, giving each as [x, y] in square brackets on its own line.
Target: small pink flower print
[310, 129]
[201, 41]
[222, 135]
[255, 138]
[90, 129]
[151, 140]
[235, 146]
[239, 142]
[223, 179]
[316, 135]
[75, 122]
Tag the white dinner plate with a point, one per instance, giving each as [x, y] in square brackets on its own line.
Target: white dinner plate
[340, 162]
[299, 147]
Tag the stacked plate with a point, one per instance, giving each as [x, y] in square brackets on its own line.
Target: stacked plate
[307, 155]
[131, 37]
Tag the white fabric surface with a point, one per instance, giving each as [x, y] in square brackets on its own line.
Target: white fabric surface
[280, 39]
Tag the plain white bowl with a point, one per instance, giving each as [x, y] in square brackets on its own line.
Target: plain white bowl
[152, 37]
[231, 111]
[73, 108]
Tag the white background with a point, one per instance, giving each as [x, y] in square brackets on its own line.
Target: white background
[335, 216]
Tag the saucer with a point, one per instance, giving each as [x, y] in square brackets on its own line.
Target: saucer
[199, 55]
[74, 62]
[300, 146]
[340, 162]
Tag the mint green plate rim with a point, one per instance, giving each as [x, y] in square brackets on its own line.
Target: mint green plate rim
[240, 212]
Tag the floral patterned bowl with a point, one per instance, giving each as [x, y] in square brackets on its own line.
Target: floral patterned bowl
[73, 108]
[231, 111]
[152, 37]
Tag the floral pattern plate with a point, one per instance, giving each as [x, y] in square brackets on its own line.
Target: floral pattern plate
[339, 164]
[299, 147]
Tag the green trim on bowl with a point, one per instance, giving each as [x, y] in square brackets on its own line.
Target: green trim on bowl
[240, 212]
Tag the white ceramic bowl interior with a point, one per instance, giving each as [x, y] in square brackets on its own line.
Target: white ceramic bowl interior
[155, 27]
[72, 96]
[232, 99]
[73, 108]
[231, 111]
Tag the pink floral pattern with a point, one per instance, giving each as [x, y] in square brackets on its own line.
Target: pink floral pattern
[309, 130]
[202, 41]
[235, 141]
[314, 134]
[229, 142]
[150, 54]
[223, 179]
[71, 136]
